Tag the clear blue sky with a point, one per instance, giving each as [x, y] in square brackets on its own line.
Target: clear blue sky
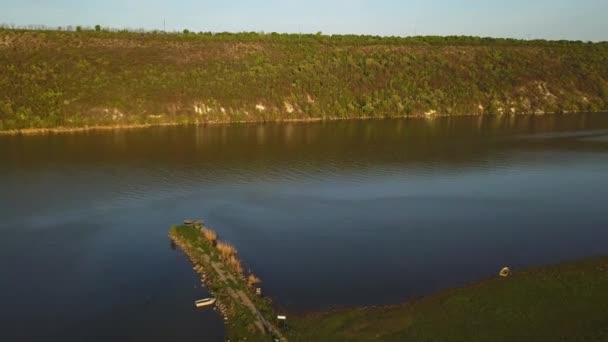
[550, 19]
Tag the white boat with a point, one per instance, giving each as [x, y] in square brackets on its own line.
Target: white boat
[204, 302]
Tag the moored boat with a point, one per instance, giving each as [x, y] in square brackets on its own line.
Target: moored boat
[204, 302]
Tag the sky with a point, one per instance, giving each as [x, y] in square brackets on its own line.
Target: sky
[526, 19]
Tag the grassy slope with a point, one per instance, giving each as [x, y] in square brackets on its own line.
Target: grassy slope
[73, 79]
[564, 302]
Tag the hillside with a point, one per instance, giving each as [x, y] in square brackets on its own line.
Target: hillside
[85, 78]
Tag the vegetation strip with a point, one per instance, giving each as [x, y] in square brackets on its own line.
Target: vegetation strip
[246, 314]
[98, 78]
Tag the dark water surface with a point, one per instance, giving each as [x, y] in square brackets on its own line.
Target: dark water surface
[327, 214]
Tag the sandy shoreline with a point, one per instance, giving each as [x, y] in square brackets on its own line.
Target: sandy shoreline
[62, 130]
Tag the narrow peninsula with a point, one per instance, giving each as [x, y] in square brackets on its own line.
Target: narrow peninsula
[247, 315]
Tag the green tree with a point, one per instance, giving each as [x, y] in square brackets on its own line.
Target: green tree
[97, 28]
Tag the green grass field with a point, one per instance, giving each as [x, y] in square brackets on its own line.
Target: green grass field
[568, 302]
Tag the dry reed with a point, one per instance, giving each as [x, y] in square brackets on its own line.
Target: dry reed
[253, 280]
[235, 264]
[226, 250]
[210, 235]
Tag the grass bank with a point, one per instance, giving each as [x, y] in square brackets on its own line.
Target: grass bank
[73, 79]
[567, 302]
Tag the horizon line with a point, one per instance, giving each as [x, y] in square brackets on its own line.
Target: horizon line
[74, 28]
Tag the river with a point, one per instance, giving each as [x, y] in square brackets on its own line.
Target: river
[327, 214]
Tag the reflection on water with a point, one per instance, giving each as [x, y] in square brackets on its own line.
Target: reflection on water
[328, 214]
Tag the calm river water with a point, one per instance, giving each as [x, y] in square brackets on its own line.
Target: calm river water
[328, 214]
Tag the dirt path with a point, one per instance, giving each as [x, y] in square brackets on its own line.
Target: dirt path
[240, 296]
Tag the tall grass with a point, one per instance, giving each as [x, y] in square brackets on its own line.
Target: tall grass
[235, 264]
[229, 254]
[226, 250]
[210, 235]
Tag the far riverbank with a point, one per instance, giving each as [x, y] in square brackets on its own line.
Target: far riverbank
[88, 78]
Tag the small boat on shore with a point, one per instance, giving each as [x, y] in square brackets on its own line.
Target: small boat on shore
[204, 302]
